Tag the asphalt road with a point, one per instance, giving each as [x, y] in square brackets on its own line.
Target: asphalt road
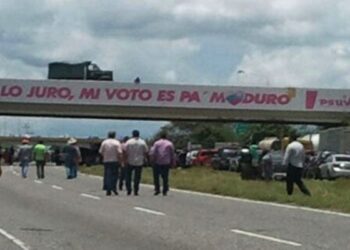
[56, 213]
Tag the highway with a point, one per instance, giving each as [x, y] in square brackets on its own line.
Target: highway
[56, 213]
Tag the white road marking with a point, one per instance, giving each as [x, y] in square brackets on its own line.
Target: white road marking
[57, 187]
[260, 236]
[38, 182]
[265, 203]
[95, 177]
[90, 196]
[14, 239]
[15, 173]
[149, 211]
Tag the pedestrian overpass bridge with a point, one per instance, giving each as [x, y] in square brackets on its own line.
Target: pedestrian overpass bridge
[98, 99]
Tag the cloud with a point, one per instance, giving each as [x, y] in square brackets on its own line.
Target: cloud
[276, 43]
[155, 37]
[298, 67]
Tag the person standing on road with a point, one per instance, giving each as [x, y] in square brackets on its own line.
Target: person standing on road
[136, 153]
[122, 174]
[294, 161]
[24, 156]
[163, 157]
[0, 160]
[72, 158]
[111, 152]
[39, 156]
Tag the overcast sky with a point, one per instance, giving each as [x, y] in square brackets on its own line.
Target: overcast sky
[274, 43]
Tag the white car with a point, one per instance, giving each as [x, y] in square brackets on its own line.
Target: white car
[190, 156]
[336, 165]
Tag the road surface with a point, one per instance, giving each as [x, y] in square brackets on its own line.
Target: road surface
[56, 213]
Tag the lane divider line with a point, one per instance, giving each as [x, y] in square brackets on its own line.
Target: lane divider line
[90, 196]
[57, 187]
[12, 238]
[260, 236]
[149, 211]
[264, 203]
[38, 182]
[95, 177]
[15, 173]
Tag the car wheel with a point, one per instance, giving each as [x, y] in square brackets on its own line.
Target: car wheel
[321, 177]
[329, 177]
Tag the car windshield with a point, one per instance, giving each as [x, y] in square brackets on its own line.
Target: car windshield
[229, 152]
[342, 158]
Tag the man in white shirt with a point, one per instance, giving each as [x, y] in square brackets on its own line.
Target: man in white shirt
[111, 151]
[135, 152]
[294, 161]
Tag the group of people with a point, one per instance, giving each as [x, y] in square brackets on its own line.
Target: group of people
[125, 160]
[130, 156]
[27, 153]
[122, 161]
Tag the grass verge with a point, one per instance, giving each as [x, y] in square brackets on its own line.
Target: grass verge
[330, 195]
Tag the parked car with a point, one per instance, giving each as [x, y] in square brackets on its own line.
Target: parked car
[336, 165]
[181, 158]
[274, 159]
[204, 157]
[279, 171]
[190, 157]
[312, 162]
[226, 159]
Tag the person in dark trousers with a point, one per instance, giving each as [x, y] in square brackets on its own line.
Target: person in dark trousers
[294, 161]
[111, 152]
[163, 157]
[40, 156]
[25, 156]
[11, 154]
[0, 160]
[123, 167]
[72, 158]
[136, 152]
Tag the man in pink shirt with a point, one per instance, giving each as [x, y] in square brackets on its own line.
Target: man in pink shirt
[163, 157]
[111, 151]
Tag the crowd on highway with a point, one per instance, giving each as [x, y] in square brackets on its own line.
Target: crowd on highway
[122, 160]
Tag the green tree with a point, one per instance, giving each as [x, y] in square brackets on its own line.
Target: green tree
[259, 131]
[204, 133]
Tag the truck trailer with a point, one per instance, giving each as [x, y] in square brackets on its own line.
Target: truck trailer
[78, 71]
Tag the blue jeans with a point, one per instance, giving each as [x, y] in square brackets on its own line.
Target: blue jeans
[71, 171]
[110, 176]
[25, 167]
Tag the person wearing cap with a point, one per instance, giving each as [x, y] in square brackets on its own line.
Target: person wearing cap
[72, 158]
[111, 152]
[135, 152]
[39, 156]
[24, 156]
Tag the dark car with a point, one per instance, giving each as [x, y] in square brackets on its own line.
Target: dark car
[226, 159]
